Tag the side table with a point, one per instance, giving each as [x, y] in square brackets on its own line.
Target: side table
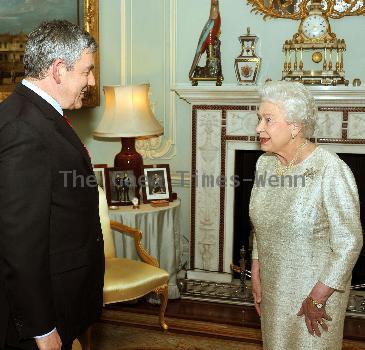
[160, 227]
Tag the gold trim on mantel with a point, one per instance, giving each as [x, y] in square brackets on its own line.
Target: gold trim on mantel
[233, 94]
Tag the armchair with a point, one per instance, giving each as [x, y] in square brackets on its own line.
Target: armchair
[127, 279]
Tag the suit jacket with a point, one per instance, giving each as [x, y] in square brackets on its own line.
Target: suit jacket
[51, 245]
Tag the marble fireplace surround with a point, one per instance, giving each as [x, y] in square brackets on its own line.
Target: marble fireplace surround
[223, 121]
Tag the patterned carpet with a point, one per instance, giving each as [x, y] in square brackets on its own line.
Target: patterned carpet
[116, 337]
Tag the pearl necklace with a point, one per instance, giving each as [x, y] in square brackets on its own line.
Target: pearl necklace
[281, 169]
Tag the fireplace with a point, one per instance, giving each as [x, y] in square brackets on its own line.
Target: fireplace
[245, 161]
[223, 123]
[245, 170]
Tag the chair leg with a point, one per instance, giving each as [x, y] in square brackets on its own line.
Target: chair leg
[85, 339]
[162, 292]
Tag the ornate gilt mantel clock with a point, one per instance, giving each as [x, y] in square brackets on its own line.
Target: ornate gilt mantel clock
[314, 55]
[314, 37]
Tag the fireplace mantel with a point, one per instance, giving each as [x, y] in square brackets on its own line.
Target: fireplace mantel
[223, 121]
[234, 94]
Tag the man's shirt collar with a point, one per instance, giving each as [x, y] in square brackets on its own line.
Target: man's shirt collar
[44, 95]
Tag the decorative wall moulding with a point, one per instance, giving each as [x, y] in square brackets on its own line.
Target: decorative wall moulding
[226, 94]
[133, 40]
[234, 94]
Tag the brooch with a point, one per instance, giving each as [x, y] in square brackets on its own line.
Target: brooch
[310, 173]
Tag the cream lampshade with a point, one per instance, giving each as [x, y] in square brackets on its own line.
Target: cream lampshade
[128, 115]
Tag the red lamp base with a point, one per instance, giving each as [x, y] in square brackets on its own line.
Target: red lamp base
[128, 158]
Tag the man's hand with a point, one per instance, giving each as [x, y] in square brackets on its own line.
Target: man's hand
[49, 342]
[256, 285]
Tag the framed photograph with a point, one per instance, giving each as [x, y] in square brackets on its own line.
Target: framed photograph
[157, 183]
[121, 186]
[19, 17]
[99, 171]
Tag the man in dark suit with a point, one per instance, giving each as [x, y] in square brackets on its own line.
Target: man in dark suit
[51, 245]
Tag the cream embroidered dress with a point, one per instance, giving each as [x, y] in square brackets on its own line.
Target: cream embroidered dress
[305, 231]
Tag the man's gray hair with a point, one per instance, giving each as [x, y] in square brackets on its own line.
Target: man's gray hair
[296, 101]
[57, 39]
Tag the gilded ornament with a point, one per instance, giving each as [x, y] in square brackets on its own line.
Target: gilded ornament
[316, 57]
[247, 64]
[91, 25]
[209, 44]
[297, 10]
[356, 82]
[314, 36]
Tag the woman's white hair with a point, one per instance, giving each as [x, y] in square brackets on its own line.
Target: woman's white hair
[296, 101]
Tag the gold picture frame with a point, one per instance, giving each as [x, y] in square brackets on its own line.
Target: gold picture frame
[91, 25]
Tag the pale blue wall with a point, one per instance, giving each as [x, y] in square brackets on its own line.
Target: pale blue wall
[191, 17]
[146, 57]
[85, 121]
[236, 17]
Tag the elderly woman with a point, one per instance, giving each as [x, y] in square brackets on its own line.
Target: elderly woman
[307, 231]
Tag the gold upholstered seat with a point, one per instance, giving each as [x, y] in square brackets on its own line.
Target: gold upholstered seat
[138, 279]
[127, 279]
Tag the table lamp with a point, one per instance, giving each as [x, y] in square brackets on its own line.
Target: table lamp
[128, 115]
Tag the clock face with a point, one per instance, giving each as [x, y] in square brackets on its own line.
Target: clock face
[314, 26]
